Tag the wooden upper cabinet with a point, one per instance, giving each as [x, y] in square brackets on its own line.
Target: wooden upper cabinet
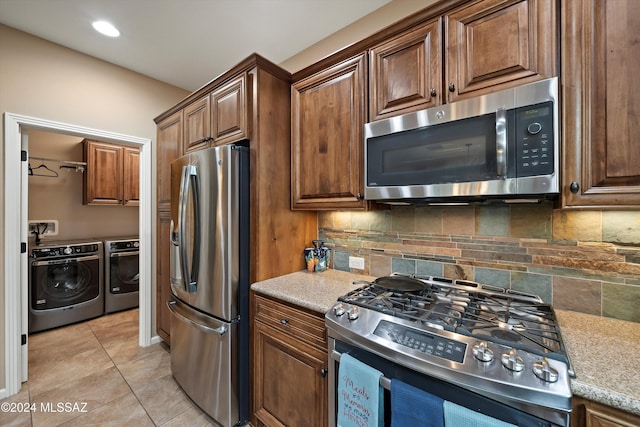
[230, 117]
[169, 148]
[494, 44]
[405, 73]
[197, 125]
[601, 104]
[218, 118]
[131, 176]
[104, 175]
[328, 115]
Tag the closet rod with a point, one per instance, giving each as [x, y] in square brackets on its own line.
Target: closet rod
[67, 162]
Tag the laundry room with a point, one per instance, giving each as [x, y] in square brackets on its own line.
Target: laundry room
[83, 228]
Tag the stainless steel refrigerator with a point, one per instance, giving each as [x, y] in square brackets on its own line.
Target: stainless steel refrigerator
[210, 280]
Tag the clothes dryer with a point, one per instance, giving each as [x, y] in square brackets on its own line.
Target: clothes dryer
[122, 273]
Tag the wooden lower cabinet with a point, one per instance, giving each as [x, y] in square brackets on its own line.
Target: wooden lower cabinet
[289, 378]
[163, 276]
[592, 414]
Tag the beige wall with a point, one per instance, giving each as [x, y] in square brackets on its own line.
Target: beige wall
[361, 29]
[44, 80]
[60, 198]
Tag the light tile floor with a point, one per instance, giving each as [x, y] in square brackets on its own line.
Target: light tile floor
[95, 374]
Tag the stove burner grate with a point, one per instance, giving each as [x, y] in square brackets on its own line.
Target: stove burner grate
[510, 319]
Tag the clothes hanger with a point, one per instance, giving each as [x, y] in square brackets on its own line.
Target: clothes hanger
[51, 173]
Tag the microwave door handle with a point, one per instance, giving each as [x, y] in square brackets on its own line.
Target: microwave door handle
[501, 143]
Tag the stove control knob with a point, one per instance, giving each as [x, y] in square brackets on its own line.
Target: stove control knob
[544, 371]
[512, 361]
[68, 250]
[482, 352]
[353, 313]
[338, 309]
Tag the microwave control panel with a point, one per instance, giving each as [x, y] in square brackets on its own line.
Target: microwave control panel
[535, 142]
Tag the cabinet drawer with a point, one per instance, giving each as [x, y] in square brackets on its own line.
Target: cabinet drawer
[303, 325]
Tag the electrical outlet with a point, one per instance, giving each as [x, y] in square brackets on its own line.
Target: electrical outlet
[44, 226]
[356, 262]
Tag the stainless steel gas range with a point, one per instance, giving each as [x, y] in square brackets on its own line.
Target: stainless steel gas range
[495, 351]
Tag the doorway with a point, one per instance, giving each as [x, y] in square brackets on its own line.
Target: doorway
[16, 139]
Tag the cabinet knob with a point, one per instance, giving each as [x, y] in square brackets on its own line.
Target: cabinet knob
[284, 321]
[452, 87]
[359, 196]
[433, 93]
[574, 187]
[323, 372]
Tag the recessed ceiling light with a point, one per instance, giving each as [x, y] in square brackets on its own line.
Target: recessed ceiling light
[106, 28]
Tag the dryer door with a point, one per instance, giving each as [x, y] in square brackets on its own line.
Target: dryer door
[124, 272]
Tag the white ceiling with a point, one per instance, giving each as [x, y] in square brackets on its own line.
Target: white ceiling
[185, 42]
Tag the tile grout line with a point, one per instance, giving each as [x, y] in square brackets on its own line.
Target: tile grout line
[123, 377]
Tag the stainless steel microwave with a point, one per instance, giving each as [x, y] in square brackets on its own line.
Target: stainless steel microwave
[503, 145]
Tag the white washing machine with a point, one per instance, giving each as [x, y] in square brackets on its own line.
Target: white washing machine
[121, 273]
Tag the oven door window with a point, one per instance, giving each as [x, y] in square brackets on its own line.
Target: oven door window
[125, 272]
[458, 151]
[64, 283]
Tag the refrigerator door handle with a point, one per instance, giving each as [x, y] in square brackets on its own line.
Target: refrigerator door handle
[176, 311]
[189, 184]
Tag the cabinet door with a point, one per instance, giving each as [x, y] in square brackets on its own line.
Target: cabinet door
[103, 178]
[405, 73]
[290, 387]
[169, 141]
[163, 275]
[230, 118]
[328, 115]
[131, 180]
[601, 103]
[495, 44]
[197, 125]
[592, 414]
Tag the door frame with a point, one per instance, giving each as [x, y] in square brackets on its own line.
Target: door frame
[16, 129]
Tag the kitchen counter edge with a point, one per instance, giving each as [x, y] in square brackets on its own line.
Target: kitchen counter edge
[602, 375]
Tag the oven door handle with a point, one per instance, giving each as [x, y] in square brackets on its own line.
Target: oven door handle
[66, 260]
[384, 381]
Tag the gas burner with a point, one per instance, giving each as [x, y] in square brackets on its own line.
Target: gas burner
[506, 317]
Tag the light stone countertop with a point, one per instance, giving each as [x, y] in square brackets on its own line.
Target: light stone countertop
[604, 353]
[315, 291]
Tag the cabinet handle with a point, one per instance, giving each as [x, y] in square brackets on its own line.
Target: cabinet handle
[433, 93]
[284, 321]
[574, 187]
[323, 372]
[452, 87]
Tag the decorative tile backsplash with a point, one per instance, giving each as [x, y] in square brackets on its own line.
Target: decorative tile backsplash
[586, 261]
